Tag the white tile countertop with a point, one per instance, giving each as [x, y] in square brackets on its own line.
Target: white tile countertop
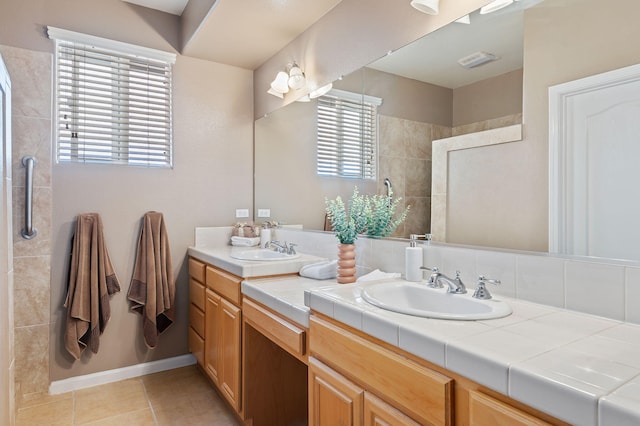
[220, 256]
[284, 295]
[580, 368]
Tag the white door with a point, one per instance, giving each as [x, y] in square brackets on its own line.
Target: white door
[6, 257]
[598, 165]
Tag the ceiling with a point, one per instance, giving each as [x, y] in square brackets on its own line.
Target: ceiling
[174, 7]
[433, 59]
[246, 33]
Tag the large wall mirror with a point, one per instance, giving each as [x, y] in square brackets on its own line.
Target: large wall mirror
[497, 194]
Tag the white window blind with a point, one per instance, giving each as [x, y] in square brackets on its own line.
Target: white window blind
[113, 101]
[347, 137]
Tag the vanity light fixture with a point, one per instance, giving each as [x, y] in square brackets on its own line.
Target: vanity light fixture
[494, 5]
[320, 91]
[274, 93]
[429, 7]
[292, 78]
[464, 20]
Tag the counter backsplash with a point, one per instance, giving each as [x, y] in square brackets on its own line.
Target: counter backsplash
[610, 290]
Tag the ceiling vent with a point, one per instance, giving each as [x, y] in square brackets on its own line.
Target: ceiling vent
[476, 59]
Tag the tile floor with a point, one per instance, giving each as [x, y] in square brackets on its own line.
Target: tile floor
[175, 397]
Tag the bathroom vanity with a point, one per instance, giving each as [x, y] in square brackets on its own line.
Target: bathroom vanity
[276, 363]
[308, 351]
[254, 356]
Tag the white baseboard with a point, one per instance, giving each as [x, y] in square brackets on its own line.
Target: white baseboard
[109, 376]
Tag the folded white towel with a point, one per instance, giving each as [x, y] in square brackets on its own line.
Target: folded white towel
[245, 241]
[321, 270]
[378, 275]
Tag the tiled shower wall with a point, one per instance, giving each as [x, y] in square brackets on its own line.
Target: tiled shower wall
[7, 358]
[31, 76]
[405, 158]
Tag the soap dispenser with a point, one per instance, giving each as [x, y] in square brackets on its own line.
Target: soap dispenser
[265, 235]
[413, 259]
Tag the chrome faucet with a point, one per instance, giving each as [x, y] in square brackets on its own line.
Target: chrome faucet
[436, 280]
[287, 248]
[481, 291]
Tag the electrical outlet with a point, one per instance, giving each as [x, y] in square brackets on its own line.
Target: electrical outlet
[242, 212]
[264, 212]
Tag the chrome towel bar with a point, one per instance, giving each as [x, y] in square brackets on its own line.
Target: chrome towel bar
[29, 231]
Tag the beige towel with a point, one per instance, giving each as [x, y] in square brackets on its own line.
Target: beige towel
[152, 289]
[91, 281]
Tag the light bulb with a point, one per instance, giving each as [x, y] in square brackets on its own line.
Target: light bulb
[274, 93]
[296, 78]
[429, 7]
[280, 83]
[495, 5]
[320, 91]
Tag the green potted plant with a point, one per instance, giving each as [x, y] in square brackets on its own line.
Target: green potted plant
[347, 222]
[350, 220]
[373, 214]
[381, 212]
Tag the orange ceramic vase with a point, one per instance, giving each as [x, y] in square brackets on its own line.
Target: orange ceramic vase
[346, 263]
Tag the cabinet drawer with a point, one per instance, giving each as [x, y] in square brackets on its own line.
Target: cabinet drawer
[225, 284]
[196, 319]
[485, 410]
[196, 293]
[285, 334]
[424, 394]
[378, 412]
[196, 346]
[196, 269]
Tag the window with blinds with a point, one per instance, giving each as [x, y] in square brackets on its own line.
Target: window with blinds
[347, 141]
[113, 102]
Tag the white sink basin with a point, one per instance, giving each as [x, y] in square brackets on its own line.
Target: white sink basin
[261, 255]
[419, 300]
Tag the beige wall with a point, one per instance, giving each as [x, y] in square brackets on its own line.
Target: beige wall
[410, 99]
[487, 99]
[23, 23]
[212, 176]
[595, 37]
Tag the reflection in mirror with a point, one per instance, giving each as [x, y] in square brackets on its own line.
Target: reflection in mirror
[501, 193]
[419, 98]
[286, 178]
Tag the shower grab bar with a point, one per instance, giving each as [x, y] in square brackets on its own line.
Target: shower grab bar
[387, 183]
[29, 231]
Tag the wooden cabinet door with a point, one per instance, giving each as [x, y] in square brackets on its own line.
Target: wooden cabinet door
[487, 411]
[333, 400]
[196, 346]
[212, 349]
[230, 338]
[379, 413]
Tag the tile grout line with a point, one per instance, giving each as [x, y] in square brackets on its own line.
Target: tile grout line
[153, 413]
[73, 408]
